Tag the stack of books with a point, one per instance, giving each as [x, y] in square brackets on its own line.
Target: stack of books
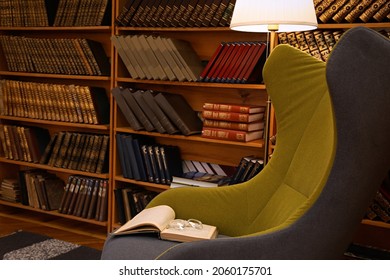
[236, 62]
[162, 112]
[158, 58]
[68, 56]
[85, 197]
[10, 190]
[41, 190]
[55, 102]
[248, 167]
[176, 13]
[142, 159]
[202, 174]
[318, 43]
[234, 122]
[77, 151]
[352, 11]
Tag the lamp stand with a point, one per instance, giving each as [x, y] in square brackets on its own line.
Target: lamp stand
[272, 29]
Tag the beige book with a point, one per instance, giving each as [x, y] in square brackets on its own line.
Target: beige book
[159, 220]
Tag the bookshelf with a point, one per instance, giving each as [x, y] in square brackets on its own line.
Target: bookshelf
[10, 167]
[204, 40]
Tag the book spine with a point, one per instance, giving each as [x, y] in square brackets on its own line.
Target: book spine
[384, 11]
[357, 10]
[332, 10]
[371, 10]
[224, 134]
[340, 15]
[321, 7]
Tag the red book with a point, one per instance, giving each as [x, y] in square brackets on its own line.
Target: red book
[243, 62]
[232, 116]
[227, 77]
[234, 125]
[253, 70]
[231, 135]
[217, 63]
[211, 61]
[230, 107]
[229, 58]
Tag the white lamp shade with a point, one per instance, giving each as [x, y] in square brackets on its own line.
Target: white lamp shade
[264, 15]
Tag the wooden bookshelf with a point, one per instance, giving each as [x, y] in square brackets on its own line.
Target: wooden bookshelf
[10, 168]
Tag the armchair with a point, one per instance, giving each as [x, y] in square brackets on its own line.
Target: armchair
[332, 153]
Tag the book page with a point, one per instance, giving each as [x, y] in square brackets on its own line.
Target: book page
[189, 234]
[156, 218]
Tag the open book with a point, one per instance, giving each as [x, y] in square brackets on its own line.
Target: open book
[157, 219]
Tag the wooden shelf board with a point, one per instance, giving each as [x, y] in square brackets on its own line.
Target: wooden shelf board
[256, 143]
[52, 219]
[57, 123]
[55, 76]
[56, 169]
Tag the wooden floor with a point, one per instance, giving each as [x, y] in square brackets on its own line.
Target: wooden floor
[9, 225]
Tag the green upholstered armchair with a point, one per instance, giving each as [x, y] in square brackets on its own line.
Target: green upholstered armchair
[332, 153]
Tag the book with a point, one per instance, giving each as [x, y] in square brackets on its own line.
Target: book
[258, 125]
[179, 112]
[231, 135]
[234, 107]
[371, 10]
[232, 116]
[161, 219]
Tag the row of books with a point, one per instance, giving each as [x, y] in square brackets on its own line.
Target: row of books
[131, 200]
[162, 112]
[82, 12]
[318, 43]
[236, 62]
[248, 167]
[175, 13]
[158, 58]
[202, 174]
[352, 10]
[69, 56]
[55, 102]
[10, 190]
[379, 209]
[144, 160]
[233, 122]
[42, 13]
[85, 197]
[23, 143]
[41, 190]
[77, 151]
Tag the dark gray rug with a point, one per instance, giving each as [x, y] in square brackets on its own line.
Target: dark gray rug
[24, 245]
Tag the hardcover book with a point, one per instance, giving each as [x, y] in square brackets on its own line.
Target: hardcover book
[161, 220]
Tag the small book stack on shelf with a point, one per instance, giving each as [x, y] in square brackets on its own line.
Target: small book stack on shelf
[54, 102]
[176, 13]
[318, 43]
[158, 58]
[233, 122]
[85, 197]
[351, 11]
[68, 56]
[380, 206]
[131, 200]
[40, 189]
[23, 143]
[248, 167]
[77, 151]
[10, 190]
[162, 112]
[142, 159]
[202, 174]
[236, 62]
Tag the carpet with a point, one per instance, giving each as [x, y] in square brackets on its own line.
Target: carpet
[23, 245]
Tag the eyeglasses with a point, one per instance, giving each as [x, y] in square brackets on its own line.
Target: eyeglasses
[180, 224]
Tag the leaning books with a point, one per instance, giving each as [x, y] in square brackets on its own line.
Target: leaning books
[161, 219]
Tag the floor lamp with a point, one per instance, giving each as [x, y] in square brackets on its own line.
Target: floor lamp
[273, 16]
